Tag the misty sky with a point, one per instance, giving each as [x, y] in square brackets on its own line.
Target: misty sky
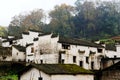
[10, 8]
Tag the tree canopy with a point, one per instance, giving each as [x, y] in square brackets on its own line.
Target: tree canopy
[87, 20]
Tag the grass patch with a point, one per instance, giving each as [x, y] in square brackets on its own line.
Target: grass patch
[9, 77]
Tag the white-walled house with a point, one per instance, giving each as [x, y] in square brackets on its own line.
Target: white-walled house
[48, 48]
[27, 37]
[9, 41]
[85, 54]
[111, 51]
[55, 72]
[5, 43]
[18, 53]
[48, 44]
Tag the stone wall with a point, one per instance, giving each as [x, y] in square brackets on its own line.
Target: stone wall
[111, 75]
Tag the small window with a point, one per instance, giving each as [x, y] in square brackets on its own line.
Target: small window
[115, 56]
[11, 42]
[74, 59]
[41, 61]
[62, 61]
[30, 55]
[40, 78]
[32, 50]
[19, 60]
[17, 54]
[92, 65]
[65, 46]
[81, 63]
[87, 59]
[28, 60]
[99, 50]
[4, 57]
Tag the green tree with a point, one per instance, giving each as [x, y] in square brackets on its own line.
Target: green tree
[33, 20]
[3, 31]
[61, 20]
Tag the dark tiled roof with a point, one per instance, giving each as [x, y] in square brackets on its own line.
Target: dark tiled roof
[29, 44]
[34, 30]
[58, 69]
[117, 38]
[43, 34]
[18, 37]
[107, 59]
[35, 39]
[20, 48]
[5, 41]
[54, 35]
[27, 33]
[9, 39]
[79, 42]
[4, 37]
[5, 51]
[111, 47]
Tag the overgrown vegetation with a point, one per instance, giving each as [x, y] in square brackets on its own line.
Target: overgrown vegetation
[3, 31]
[9, 70]
[9, 77]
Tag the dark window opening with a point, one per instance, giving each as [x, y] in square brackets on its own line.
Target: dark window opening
[41, 61]
[40, 78]
[87, 59]
[99, 50]
[74, 59]
[30, 55]
[32, 50]
[19, 60]
[92, 65]
[4, 57]
[65, 46]
[81, 63]
[115, 56]
[17, 53]
[28, 60]
[62, 61]
[11, 42]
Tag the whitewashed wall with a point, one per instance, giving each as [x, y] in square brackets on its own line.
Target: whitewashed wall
[10, 37]
[26, 39]
[30, 57]
[54, 45]
[33, 34]
[49, 58]
[36, 52]
[17, 55]
[73, 51]
[5, 44]
[118, 50]
[45, 43]
[110, 54]
[33, 74]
